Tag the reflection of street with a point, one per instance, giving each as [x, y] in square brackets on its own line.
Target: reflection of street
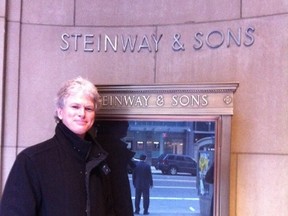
[172, 195]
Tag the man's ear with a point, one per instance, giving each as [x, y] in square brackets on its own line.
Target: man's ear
[59, 113]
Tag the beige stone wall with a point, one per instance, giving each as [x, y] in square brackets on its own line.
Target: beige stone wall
[2, 54]
[35, 66]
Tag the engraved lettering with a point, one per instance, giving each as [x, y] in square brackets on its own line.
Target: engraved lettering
[160, 100]
[189, 100]
[128, 100]
[154, 37]
[66, 43]
[216, 38]
[76, 37]
[88, 42]
[198, 36]
[99, 43]
[138, 101]
[105, 100]
[118, 100]
[215, 44]
[125, 100]
[145, 44]
[249, 36]
[184, 100]
[204, 100]
[107, 41]
[129, 42]
[146, 98]
[174, 100]
[236, 39]
[177, 46]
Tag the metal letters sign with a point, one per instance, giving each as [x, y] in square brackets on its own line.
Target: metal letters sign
[194, 99]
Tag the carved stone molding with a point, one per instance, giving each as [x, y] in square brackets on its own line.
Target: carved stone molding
[165, 99]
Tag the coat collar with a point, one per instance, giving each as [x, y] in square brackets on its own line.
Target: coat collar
[81, 147]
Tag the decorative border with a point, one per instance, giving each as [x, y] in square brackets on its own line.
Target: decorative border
[167, 99]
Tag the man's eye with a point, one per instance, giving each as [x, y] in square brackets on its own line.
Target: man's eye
[89, 109]
[75, 106]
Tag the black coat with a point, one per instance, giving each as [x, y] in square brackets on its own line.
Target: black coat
[109, 134]
[142, 176]
[118, 159]
[52, 178]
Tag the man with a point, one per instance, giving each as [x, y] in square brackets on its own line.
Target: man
[142, 181]
[68, 174]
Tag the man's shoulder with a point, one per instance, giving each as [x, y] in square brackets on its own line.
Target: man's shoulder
[40, 148]
[144, 165]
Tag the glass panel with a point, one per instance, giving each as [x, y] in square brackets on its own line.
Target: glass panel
[185, 119]
[180, 153]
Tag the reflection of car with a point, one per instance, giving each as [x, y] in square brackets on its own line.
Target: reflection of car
[157, 160]
[132, 165]
[173, 163]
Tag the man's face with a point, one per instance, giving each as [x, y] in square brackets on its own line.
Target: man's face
[78, 113]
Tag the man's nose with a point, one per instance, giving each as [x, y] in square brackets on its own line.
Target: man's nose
[81, 111]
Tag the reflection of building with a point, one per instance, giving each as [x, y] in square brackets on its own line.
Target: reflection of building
[157, 137]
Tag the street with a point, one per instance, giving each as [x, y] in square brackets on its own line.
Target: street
[172, 195]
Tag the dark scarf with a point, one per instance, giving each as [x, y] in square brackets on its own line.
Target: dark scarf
[81, 146]
[97, 181]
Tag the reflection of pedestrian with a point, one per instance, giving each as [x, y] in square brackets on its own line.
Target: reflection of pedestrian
[66, 175]
[203, 164]
[142, 181]
[209, 178]
[109, 134]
